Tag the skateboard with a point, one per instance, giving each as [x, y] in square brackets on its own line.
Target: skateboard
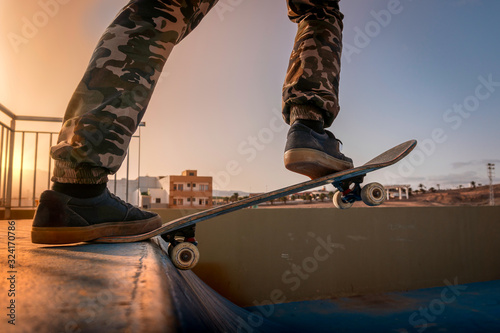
[185, 254]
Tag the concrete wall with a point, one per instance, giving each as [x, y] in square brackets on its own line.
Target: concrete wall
[254, 256]
[18, 214]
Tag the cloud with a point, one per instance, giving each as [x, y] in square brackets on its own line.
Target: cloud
[474, 163]
[455, 179]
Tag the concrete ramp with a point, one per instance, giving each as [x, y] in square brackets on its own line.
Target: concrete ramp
[109, 288]
[201, 309]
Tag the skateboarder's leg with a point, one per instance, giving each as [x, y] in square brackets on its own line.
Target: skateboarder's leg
[310, 91]
[112, 97]
[102, 116]
[312, 80]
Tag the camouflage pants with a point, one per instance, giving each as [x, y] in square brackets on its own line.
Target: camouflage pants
[112, 96]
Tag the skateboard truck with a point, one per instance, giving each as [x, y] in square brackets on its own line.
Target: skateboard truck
[350, 191]
[182, 247]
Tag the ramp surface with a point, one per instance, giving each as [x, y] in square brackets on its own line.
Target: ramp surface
[201, 309]
[454, 308]
[109, 288]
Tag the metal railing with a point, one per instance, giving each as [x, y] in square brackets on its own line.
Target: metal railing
[8, 152]
[14, 159]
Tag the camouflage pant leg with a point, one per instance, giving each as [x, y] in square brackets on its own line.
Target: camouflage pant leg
[111, 99]
[314, 69]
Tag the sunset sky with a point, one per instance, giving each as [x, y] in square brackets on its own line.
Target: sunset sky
[428, 71]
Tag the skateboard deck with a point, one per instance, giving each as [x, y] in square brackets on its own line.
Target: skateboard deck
[341, 180]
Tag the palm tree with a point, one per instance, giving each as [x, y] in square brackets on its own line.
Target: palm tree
[322, 197]
[234, 197]
[473, 184]
[284, 199]
[421, 187]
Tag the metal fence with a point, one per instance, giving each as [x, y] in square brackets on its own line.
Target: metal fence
[25, 165]
[16, 175]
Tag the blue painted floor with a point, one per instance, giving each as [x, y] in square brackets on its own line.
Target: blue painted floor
[471, 307]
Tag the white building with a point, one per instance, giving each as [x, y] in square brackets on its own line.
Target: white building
[151, 194]
[183, 191]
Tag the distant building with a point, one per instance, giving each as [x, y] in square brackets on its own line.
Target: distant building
[188, 190]
[185, 191]
[394, 191]
[146, 192]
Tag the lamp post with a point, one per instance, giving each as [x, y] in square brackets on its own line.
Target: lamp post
[491, 171]
[142, 124]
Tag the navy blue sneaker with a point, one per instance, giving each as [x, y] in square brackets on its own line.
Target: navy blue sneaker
[61, 219]
[313, 154]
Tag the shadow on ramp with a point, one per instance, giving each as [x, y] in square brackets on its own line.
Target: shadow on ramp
[201, 309]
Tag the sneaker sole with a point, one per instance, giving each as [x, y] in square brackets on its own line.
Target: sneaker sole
[313, 163]
[68, 235]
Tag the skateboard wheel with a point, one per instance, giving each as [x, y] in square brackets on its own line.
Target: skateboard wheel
[339, 203]
[184, 255]
[373, 194]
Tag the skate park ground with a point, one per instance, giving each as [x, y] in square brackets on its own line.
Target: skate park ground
[432, 269]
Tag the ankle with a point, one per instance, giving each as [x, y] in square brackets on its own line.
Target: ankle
[81, 191]
[315, 125]
[305, 111]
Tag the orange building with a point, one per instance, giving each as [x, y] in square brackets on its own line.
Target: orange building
[188, 190]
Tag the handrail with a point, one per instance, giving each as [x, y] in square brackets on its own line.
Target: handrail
[13, 116]
[38, 118]
[7, 155]
[9, 113]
